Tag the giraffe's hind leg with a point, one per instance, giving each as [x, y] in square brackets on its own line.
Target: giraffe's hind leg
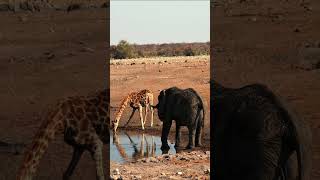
[77, 152]
[141, 117]
[151, 109]
[96, 153]
[146, 113]
[133, 111]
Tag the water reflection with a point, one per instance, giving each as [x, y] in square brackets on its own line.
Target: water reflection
[129, 146]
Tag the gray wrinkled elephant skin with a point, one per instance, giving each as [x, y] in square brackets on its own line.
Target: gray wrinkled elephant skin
[254, 135]
[186, 108]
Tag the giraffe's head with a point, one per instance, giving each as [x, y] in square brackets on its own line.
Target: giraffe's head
[114, 127]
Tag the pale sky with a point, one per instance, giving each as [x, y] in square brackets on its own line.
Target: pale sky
[145, 22]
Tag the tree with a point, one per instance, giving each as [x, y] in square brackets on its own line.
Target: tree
[123, 50]
[188, 52]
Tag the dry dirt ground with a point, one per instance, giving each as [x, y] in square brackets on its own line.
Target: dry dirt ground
[185, 165]
[157, 74]
[45, 56]
[251, 46]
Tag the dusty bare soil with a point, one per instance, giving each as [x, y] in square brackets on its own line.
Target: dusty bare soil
[185, 165]
[251, 45]
[46, 56]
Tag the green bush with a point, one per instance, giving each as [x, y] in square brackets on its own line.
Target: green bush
[123, 50]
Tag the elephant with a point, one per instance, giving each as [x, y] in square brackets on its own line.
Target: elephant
[255, 134]
[184, 106]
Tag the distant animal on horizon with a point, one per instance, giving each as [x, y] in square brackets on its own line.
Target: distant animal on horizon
[136, 100]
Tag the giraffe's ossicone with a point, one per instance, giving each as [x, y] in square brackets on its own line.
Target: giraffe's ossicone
[137, 100]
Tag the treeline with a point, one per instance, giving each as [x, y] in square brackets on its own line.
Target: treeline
[125, 50]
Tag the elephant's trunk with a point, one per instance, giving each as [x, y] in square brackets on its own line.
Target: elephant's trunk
[156, 106]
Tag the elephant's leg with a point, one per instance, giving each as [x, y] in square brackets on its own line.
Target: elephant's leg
[192, 131]
[198, 132]
[178, 134]
[133, 111]
[96, 153]
[165, 132]
[141, 117]
[77, 152]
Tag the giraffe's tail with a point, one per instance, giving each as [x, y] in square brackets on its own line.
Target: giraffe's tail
[123, 105]
[39, 145]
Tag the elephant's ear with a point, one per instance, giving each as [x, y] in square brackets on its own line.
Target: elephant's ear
[303, 141]
[304, 147]
[162, 95]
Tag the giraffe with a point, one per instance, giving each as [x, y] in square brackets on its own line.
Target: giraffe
[137, 100]
[84, 122]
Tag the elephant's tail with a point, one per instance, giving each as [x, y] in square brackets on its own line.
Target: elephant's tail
[301, 137]
[201, 108]
[203, 116]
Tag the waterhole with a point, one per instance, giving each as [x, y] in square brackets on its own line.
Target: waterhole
[131, 146]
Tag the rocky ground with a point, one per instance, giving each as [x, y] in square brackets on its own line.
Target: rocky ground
[185, 165]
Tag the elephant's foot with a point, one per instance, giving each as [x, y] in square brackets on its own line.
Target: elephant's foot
[189, 146]
[177, 147]
[198, 144]
[165, 147]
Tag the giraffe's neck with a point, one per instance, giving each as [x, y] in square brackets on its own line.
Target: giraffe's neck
[45, 134]
[123, 105]
[56, 119]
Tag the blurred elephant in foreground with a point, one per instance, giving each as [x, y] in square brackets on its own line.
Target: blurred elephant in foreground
[254, 135]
